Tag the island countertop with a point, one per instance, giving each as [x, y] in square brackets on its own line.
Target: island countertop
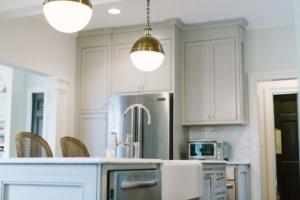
[81, 160]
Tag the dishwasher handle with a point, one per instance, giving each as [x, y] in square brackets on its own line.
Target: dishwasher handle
[138, 184]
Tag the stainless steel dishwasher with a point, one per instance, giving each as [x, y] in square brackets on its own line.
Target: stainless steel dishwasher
[134, 185]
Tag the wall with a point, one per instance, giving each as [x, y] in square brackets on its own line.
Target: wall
[266, 49]
[31, 44]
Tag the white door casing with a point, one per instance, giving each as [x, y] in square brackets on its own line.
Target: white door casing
[254, 123]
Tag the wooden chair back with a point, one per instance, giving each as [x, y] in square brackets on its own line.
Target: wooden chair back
[32, 145]
[72, 147]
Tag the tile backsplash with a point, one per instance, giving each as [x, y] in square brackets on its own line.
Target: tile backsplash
[236, 136]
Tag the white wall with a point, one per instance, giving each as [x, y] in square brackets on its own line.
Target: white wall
[266, 49]
[34, 45]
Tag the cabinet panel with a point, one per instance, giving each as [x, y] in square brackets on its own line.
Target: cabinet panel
[93, 78]
[93, 133]
[208, 184]
[126, 77]
[160, 79]
[196, 82]
[223, 72]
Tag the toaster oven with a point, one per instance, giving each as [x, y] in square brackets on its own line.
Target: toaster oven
[208, 150]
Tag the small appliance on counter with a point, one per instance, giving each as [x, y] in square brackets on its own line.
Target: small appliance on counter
[208, 150]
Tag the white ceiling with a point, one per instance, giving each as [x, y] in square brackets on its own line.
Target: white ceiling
[257, 12]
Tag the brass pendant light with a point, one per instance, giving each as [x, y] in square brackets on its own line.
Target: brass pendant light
[68, 16]
[147, 53]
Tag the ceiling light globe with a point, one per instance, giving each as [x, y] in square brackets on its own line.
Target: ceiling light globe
[147, 60]
[68, 16]
[147, 53]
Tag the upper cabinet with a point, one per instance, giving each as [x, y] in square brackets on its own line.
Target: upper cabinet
[125, 77]
[128, 79]
[213, 74]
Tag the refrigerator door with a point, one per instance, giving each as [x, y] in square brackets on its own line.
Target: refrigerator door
[156, 138]
[117, 106]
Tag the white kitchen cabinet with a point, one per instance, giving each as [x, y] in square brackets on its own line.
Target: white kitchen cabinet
[238, 181]
[213, 80]
[104, 68]
[92, 92]
[214, 181]
[128, 79]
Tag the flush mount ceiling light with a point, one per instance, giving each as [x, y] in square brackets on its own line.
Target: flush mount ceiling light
[114, 11]
[68, 16]
[147, 53]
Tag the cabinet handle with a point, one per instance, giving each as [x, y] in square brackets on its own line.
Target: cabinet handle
[208, 117]
[139, 88]
[212, 116]
[229, 186]
[143, 88]
[207, 175]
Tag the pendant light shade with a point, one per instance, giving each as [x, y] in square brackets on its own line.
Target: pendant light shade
[68, 16]
[147, 53]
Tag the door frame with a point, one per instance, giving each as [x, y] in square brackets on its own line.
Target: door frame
[257, 192]
[267, 139]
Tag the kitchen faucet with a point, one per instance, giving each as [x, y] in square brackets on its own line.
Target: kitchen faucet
[129, 140]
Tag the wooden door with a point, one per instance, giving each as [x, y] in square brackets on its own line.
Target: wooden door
[37, 113]
[287, 147]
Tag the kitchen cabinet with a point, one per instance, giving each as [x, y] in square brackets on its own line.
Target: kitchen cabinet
[128, 79]
[92, 93]
[214, 181]
[238, 185]
[104, 68]
[213, 76]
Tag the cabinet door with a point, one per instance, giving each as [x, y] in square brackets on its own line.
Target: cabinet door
[207, 188]
[93, 79]
[93, 133]
[197, 77]
[224, 80]
[160, 79]
[126, 77]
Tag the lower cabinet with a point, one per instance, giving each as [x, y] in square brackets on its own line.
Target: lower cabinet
[93, 132]
[214, 182]
[238, 186]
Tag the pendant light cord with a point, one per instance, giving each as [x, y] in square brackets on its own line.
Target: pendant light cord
[148, 28]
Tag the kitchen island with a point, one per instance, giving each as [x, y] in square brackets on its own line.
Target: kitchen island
[96, 178]
[63, 178]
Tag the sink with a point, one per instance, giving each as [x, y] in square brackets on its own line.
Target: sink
[181, 179]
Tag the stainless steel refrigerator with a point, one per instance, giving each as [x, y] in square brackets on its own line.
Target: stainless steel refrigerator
[148, 118]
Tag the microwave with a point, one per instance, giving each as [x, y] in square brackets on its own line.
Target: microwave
[208, 150]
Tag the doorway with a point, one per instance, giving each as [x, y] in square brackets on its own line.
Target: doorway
[287, 146]
[37, 113]
[266, 91]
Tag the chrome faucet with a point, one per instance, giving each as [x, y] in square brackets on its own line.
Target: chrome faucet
[120, 143]
[130, 136]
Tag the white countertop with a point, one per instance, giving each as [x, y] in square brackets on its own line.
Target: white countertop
[238, 163]
[90, 160]
[98, 160]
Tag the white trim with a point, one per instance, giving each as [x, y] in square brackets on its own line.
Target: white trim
[254, 78]
[267, 140]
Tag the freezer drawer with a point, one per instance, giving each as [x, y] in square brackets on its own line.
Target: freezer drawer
[135, 185]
